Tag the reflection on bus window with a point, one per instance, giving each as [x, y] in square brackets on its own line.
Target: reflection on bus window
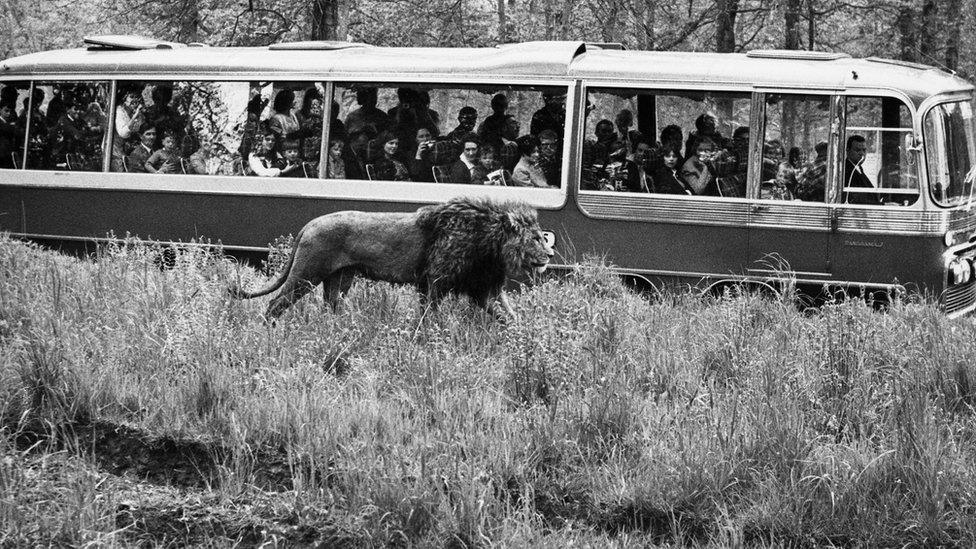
[794, 152]
[678, 142]
[13, 123]
[447, 134]
[68, 126]
[880, 168]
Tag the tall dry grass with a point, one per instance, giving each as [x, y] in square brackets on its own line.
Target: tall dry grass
[601, 417]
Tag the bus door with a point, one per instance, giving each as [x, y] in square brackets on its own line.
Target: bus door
[790, 220]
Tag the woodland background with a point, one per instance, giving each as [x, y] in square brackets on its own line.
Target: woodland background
[939, 33]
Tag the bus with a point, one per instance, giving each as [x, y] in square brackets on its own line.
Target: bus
[677, 167]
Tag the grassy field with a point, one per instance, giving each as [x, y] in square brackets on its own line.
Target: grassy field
[142, 406]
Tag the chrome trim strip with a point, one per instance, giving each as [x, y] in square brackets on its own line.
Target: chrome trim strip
[38, 236]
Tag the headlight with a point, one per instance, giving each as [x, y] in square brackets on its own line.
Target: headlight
[960, 270]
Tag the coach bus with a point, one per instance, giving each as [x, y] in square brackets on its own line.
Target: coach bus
[676, 166]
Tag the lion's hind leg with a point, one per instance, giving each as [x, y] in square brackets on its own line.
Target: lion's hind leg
[291, 291]
[336, 285]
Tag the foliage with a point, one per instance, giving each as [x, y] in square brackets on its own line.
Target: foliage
[142, 405]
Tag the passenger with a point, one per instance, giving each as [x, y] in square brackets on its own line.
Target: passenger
[406, 118]
[336, 166]
[697, 171]
[795, 159]
[605, 138]
[854, 175]
[648, 162]
[55, 107]
[8, 96]
[552, 116]
[671, 138]
[731, 165]
[426, 116]
[501, 133]
[200, 158]
[163, 116]
[467, 117]
[128, 120]
[527, 172]
[811, 183]
[11, 135]
[550, 157]
[264, 159]
[356, 154]
[166, 159]
[705, 126]
[622, 173]
[367, 114]
[421, 166]
[283, 123]
[624, 121]
[309, 119]
[466, 169]
[136, 160]
[69, 134]
[292, 164]
[387, 167]
[494, 122]
[494, 172]
[777, 177]
[253, 127]
[667, 179]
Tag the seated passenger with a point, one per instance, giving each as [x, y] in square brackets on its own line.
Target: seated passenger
[467, 117]
[730, 165]
[778, 178]
[163, 116]
[671, 138]
[624, 121]
[705, 126]
[811, 183]
[421, 165]
[697, 172]
[252, 125]
[494, 122]
[200, 158]
[550, 157]
[356, 154]
[596, 155]
[387, 167]
[292, 164]
[128, 120]
[667, 179]
[11, 136]
[283, 123]
[466, 169]
[854, 175]
[69, 134]
[552, 116]
[264, 159]
[165, 160]
[310, 124]
[494, 172]
[367, 114]
[336, 166]
[622, 174]
[527, 172]
[136, 160]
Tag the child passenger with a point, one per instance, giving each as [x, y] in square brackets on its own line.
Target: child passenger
[292, 165]
[165, 160]
[336, 166]
[264, 160]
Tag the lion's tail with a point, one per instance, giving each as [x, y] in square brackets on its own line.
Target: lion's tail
[240, 293]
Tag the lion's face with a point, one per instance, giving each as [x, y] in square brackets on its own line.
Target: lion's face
[529, 250]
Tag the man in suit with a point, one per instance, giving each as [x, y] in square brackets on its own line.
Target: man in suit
[854, 175]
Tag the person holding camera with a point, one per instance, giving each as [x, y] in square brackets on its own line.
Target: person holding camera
[128, 119]
[421, 164]
[698, 172]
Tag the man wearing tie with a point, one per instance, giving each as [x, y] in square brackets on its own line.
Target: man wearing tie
[854, 174]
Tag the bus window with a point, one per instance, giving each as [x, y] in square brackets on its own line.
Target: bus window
[794, 153]
[13, 123]
[448, 134]
[150, 131]
[879, 167]
[70, 132]
[635, 142]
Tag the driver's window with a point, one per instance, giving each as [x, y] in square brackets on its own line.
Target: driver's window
[880, 168]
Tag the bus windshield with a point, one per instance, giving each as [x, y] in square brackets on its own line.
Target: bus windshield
[951, 152]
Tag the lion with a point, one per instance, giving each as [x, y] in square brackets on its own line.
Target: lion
[466, 246]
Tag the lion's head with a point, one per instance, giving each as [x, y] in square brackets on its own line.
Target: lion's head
[526, 248]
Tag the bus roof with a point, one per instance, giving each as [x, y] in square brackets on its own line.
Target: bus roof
[775, 69]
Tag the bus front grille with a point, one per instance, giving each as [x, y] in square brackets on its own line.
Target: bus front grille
[959, 296]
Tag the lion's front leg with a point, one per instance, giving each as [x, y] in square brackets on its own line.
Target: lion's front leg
[506, 307]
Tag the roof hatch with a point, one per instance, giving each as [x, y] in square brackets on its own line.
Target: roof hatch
[802, 55]
[128, 42]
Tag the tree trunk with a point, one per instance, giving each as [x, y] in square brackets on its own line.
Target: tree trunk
[502, 22]
[324, 15]
[811, 25]
[792, 24]
[954, 18]
[907, 33]
[928, 31]
[725, 25]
